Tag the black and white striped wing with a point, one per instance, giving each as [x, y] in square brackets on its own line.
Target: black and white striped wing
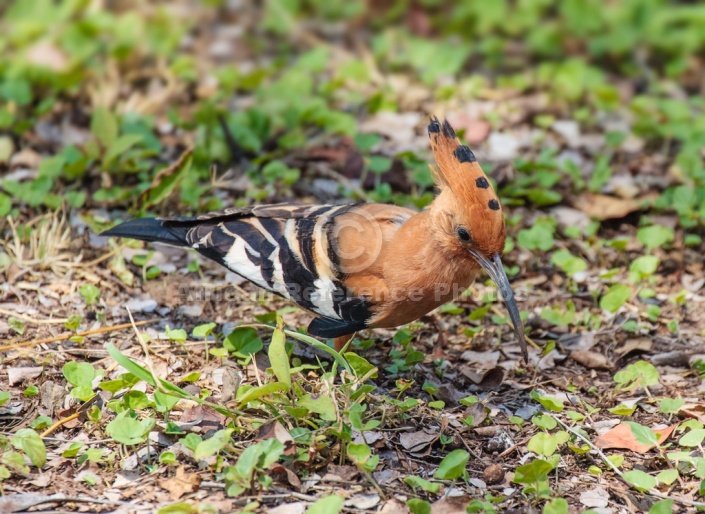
[284, 249]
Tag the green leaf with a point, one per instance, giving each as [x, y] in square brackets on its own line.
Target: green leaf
[127, 430]
[322, 405]
[72, 450]
[203, 331]
[89, 293]
[670, 405]
[640, 480]
[548, 403]
[639, 374]
[212, 445]
[31, 444]
[418, 506]
[327, 505]
[655, 236]
[539, 236]
[120, 146]
[378, 164]
[642, 434]
[16, 325]
[662, 507]
[623, 410]
[4, 397]
[243, 341]
[615, 297]
[416, 482]
[556, 506]
[643, 267]
[692, 438]
[533, 472]
[279, 359]
[258, 392]
[79, 373]
[5, 205]
[136, 400]
[667, 476]
[177, 334]
[545, 422]
[104, 126]
[453, 465]
[360, 365]
[568, 262]
[164, 183]
[543, 443]
[359, 453]
[73, 322]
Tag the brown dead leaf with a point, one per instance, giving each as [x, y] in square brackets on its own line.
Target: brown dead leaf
[289, 508]
[345, 473]
[203, 417]
[621, 437]
[490, 379]
[590, 359]
[417, 441]
[275, 430]
[634, 345]
[394, 506]
[181, 483]
[603, 207]
[693, 410]
[452, 505]
[291, 477]
[476, 130]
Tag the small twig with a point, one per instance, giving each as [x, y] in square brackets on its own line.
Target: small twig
[59, 423]
[68, 335]
[618, 472]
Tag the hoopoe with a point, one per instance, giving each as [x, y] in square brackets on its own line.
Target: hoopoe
[359, 266]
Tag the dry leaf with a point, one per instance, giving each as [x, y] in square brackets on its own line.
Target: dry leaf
[181, 483]
[275, 430]
[621, 436]
[417, 441]
[590, 359]
[603, 207]
[17, 375]
[451, 505]
[693, 410]
[289, 508]
[634, 345]
[595, 498]
[394, 506]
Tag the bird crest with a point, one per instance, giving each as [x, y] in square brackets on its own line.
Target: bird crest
[465, 189]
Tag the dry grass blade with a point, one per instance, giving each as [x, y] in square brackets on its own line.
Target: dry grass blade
[103, 330]
[46, 246]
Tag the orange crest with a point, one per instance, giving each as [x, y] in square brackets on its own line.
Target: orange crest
[474, 197]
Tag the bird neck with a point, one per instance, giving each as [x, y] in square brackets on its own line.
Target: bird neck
[420, 257]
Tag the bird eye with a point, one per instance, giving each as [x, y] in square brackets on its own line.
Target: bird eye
[463, 234]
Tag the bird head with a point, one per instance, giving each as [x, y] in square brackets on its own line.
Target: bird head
[467, 215]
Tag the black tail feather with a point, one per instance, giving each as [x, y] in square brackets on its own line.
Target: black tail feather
[149, 229]
[327, 327]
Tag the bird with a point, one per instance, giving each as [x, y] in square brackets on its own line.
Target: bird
[359, 266]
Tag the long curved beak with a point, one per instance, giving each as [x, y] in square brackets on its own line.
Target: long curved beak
[496, 272]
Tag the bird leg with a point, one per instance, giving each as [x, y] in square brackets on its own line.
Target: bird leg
[340, 342]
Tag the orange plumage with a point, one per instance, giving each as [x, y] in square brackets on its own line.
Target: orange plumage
[361, 265]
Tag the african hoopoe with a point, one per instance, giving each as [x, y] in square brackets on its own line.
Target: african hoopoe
[360, 266]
